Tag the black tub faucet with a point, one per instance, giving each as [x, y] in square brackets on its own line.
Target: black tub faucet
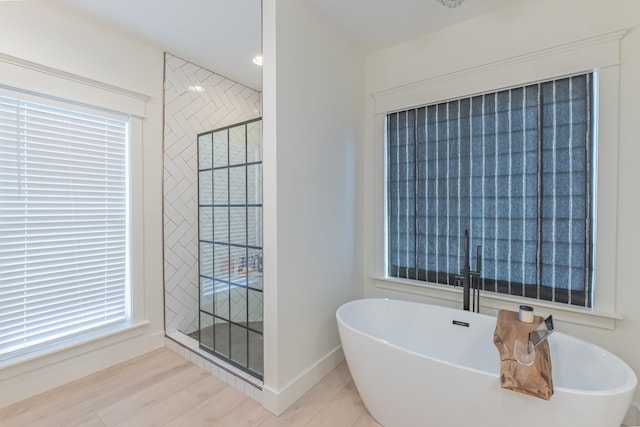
[470, 279]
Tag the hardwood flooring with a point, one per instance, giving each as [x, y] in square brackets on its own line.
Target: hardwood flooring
[163, 389]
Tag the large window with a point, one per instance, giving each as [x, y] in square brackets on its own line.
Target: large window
[513, 167]
[63, 222]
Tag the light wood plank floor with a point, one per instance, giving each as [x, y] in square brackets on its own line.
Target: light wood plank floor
[163, 389]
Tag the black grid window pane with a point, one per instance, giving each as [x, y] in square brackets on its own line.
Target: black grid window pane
[514, 168]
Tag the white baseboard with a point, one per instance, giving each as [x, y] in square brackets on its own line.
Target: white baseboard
[26, 380]
[277, 401]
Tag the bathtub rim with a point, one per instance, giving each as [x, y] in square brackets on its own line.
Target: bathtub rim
[628, 386]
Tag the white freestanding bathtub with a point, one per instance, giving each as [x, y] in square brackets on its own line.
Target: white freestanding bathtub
[414, 367]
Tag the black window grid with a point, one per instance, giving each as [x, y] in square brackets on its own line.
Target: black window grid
[229, 282]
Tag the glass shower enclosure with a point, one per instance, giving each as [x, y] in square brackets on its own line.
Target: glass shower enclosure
[230, 244]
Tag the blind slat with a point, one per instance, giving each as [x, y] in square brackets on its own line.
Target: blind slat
[63, 222]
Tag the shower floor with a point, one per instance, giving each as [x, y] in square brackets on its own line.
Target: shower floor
[234, 347]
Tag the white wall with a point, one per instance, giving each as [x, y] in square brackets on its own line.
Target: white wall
[49, 36]
[527, 30]
[313, 111]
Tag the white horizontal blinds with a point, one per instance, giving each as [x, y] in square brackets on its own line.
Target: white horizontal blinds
[512, 167]
[63, 222]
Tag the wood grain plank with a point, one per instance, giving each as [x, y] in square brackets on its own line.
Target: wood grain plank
[164, 411]
[248, 414]
[81, 397]
[129, 405]
[163, 389]
[210, 411]
[309, 405]
[342, 411]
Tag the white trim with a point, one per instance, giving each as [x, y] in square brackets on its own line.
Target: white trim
[136, 220]
[82, 339]
[277, 401]
[600, 53]
[568, 58]
[37, 372]
[33, 377]
[491, 302]
[23, 74]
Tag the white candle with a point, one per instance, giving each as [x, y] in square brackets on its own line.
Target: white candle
[525, 314]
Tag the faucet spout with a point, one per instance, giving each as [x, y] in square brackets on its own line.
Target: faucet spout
[539, 335]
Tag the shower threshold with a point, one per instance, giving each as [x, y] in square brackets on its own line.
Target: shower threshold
[234, 344]
[222, 369]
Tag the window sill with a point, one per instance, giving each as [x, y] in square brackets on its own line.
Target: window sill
[490, 303]
[113, 333]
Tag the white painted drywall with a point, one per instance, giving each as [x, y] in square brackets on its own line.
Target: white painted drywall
[526, 28]
[44, 33]
[313, 114]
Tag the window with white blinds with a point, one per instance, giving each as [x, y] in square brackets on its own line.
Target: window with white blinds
[63, 222]
[513, 167]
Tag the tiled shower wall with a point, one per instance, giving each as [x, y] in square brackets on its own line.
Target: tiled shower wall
[196, 101]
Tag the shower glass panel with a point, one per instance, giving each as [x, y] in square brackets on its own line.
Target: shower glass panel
[230, 240]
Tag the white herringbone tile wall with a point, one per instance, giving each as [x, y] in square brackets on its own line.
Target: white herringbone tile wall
[195, 101]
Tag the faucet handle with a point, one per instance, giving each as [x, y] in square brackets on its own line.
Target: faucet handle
[458, 278]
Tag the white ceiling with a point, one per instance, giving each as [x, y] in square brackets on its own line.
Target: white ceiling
[376, 24]
[224, 35]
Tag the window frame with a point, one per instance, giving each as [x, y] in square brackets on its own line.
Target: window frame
[542, 291]
[26, 76]
[598, 54]
[57, 104]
